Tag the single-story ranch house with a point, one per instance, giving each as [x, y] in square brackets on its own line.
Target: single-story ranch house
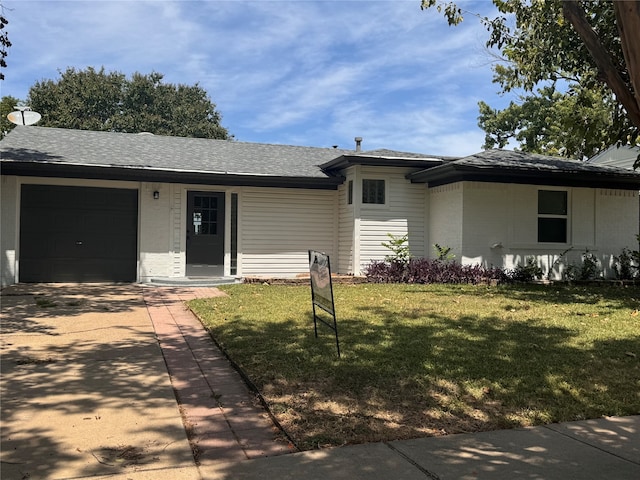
[100, 206]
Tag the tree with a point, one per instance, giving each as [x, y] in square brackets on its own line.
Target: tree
[563, 53]
[4, 40]
[7, 105]
[96, 100]
[574, 124]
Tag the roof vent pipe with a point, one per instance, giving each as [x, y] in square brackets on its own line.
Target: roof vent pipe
[358, 144]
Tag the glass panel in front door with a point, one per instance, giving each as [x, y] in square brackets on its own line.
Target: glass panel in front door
[205, 215]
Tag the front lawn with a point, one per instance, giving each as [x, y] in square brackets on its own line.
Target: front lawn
[420, 360]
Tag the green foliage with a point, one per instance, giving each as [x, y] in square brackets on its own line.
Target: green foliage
[568, 109]
[4, 40]
[443, 253]
[573, 125]
[528, 272]
[588, 270]
[627, 264]
[107, 101]
[7, 105]
[399, 246]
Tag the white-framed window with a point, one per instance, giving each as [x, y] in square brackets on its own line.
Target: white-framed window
[553, 216]
[373, 191]
[350, 192]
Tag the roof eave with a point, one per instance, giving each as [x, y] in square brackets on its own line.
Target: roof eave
[345, 161]
[54, 170]
[452, 173]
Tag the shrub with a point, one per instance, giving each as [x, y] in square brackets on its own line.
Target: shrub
[528, 272]
[424, 271]
[626, 264]
[589, 270]
[399, 249]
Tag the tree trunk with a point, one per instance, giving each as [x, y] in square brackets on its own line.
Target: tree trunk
[629, 27]
[628, 19]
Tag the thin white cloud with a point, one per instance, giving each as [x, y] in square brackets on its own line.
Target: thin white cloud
[306, 72]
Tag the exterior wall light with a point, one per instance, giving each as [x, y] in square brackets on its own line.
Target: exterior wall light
[156, 195]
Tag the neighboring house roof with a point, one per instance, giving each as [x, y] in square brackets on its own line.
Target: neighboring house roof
[505, 166]
[125, 156]
[623, 156]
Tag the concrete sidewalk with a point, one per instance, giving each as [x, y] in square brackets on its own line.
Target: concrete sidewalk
[595, 449]
[87, 392]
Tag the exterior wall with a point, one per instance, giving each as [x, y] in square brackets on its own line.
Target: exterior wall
[278, 226]
[156, 236]
[346, 228]
[486, 220]
[445, 218]
[499, 226]
[403, 213]
[9, 211]
[617, 213]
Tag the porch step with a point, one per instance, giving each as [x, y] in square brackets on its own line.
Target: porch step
[194, 281]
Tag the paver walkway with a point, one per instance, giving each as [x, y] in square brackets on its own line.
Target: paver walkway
[223, 419]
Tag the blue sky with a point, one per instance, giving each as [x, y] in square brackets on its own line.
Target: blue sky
[296, 72]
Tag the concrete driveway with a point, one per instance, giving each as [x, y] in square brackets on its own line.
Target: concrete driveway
[84, 387]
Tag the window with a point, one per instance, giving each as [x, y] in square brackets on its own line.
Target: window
[373, 191]
[350, 193]
[205, 215]
[552, 216]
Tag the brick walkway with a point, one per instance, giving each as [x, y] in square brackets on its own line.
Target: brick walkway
[223, 419]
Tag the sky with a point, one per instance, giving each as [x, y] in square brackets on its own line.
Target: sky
[292, 72]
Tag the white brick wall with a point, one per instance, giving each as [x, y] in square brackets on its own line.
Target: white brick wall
[8, 229]
[445, 218]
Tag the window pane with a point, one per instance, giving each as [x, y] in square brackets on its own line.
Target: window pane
[350, 193]
[373, 191]
[552, 230]
[552, 202]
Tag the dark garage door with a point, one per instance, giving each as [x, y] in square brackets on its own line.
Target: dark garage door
[78, 234]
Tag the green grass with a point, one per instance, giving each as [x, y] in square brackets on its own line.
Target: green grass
[429, 360]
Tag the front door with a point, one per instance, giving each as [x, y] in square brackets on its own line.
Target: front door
[205, 234]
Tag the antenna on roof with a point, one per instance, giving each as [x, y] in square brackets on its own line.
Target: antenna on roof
[24, 116]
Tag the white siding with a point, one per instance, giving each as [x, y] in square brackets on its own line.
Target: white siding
[404, 212]
[278, 226]
[346, 228]
[8, 229]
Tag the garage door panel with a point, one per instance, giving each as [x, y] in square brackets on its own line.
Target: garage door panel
[78, 234]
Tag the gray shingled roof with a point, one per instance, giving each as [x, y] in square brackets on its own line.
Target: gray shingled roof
[194, 158]
[180, 154]
[506, 159]
[519, 167]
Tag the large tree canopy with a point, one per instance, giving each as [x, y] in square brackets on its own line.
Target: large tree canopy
[97, 100]
[578, 64]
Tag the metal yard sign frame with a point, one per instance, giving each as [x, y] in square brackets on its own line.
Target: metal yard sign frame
[322, 292]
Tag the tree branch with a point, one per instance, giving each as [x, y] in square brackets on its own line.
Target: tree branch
[628, 20]
[574, 13]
